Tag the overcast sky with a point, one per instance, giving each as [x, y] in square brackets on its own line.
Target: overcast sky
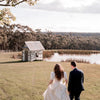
[79, 6]
[60, 15]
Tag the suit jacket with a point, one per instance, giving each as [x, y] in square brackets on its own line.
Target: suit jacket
[76, 80]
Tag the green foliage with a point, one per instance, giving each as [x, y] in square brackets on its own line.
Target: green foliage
[12, 37]
[67, 41]
[6, 16]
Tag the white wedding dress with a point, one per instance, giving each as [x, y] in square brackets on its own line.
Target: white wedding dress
[57, 90]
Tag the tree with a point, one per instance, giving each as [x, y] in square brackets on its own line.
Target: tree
[5, 15]
[38, 30]
[16, 2]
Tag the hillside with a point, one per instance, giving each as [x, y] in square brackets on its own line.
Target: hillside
[78, 33]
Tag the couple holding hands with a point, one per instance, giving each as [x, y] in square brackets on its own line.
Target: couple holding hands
[57, 89]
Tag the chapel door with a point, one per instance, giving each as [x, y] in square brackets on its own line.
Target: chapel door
[26, 55]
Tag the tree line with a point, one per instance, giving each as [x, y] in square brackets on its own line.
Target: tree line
[13, 37]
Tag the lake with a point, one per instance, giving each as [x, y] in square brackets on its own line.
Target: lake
[92, 59]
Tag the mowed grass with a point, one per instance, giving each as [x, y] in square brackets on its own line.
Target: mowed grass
[28, 80]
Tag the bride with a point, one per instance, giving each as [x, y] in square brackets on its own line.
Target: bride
[57, 89]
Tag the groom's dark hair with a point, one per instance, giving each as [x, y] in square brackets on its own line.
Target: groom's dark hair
[73, 64]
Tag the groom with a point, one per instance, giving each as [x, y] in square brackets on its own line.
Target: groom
[76, 80]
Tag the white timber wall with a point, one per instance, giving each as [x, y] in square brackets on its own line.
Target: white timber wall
[32, 55]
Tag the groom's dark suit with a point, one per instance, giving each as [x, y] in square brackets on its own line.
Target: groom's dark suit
[75, 85]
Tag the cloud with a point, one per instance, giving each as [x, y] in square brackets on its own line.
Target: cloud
[54, 15]
[54, 6]
[67, 6]
[94, 8]
[71, 6]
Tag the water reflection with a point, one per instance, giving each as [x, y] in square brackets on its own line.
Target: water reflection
[93, 58]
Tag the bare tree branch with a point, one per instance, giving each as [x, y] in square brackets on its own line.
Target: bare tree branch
[5, 5]
[5, 15]
[1, 0]
[8, 1]
[19, 2]
[13, 4]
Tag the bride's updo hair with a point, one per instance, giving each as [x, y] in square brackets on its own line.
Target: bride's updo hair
[59, 71]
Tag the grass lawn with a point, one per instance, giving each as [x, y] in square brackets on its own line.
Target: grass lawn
[28, 80]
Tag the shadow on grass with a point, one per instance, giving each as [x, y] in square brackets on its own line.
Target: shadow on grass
[8, 62]
[18, 61]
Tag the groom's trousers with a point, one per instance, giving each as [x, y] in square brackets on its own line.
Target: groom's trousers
[75, 95]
